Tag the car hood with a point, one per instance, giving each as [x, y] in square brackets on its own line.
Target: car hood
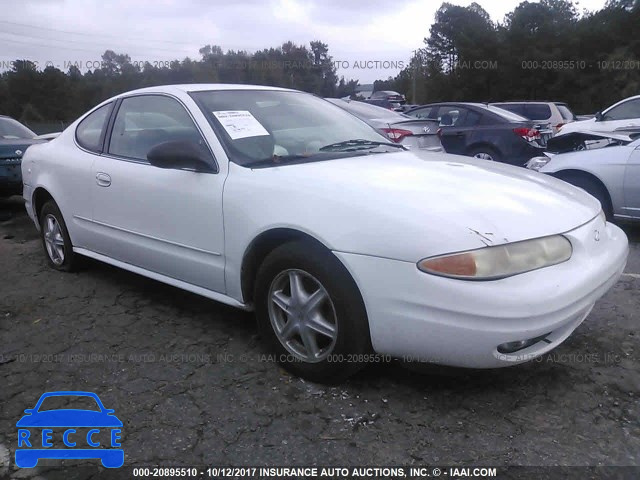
[589, 125]
[574, 141]
[9, 148]
[407, 205]
[69, 418]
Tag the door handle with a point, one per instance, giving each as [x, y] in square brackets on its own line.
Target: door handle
[103, 179]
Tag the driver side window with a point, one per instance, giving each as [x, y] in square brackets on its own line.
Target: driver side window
[144, 121]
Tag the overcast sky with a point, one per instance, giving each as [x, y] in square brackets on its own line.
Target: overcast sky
[78, 31]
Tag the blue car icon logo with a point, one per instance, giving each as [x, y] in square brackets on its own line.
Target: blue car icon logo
[67, 433]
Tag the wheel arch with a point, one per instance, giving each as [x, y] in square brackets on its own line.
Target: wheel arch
[40, 196]
[569, 173]
[258, 250]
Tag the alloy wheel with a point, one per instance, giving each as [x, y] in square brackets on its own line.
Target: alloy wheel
[53, 239]
[484, 156]
[302, 315]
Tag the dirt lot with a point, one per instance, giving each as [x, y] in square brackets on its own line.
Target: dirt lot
[189, 379]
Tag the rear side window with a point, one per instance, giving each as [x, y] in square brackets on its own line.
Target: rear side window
[566, 113]
[472, 119]
[512, 107]
[89, 133]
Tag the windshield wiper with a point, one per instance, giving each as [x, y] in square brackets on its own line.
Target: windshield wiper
[357, 144]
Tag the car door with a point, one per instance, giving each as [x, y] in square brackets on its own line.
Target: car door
[622, 117]
[167, 221]
[73, 166]
[632, 185]
[455, 133]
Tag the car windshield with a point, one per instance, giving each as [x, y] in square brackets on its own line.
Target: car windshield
[510, 116]
[11, 129]
[270, 127]
[65, 402]
[369, 112]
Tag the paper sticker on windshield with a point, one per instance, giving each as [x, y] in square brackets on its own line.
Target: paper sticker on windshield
[240, 124]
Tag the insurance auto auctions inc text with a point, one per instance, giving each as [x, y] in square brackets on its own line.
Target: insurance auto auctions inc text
[351, 472]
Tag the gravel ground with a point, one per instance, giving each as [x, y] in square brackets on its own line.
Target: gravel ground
[190, 381]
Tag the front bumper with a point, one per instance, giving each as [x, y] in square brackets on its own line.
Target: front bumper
[421, 317]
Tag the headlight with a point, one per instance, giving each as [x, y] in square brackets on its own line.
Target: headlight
[492, 263]
[536, 163]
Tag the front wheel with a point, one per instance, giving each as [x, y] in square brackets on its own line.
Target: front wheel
[311, 313]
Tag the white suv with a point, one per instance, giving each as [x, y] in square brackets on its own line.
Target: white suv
[557, 114]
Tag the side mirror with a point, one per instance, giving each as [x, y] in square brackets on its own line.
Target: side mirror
[109, 411]
[29, 410]
[179, 155]
[599, 116]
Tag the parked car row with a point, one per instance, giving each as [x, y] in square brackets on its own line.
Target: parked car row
[316, 215]
[601, 155]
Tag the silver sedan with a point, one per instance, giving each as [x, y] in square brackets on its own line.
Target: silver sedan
[398, 127]
[611, 174]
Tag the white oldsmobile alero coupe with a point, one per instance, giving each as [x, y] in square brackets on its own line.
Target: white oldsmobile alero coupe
[344, 243]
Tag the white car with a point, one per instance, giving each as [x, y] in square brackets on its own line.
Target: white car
[611, 174]
[344, 243]
[623, 117]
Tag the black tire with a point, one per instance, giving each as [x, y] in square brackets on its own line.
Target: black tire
[593, 188]
[340, 356]
[492, 152]
[69, 260]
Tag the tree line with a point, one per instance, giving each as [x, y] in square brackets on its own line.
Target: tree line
[546, 50]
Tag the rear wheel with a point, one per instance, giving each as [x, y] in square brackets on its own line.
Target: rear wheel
[593, 188]
[485, 153]
[55, 238]
[311, 313]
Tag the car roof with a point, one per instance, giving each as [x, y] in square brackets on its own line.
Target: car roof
[528, 102]
[472, 104]
[203, 87]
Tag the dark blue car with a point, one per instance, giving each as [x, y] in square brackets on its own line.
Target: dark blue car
[487, 132]
[35, 433]
[15, 138]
